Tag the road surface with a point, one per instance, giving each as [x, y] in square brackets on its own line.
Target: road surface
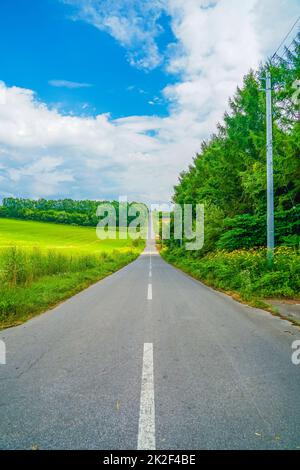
[150, 358]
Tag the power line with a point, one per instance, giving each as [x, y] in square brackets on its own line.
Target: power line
[280, 58]
[283, 41]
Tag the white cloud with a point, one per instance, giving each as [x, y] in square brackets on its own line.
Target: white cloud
[133, 23]
[43, 175]
[46, 153]
[209, 58]
[283, 13]
[68, 84]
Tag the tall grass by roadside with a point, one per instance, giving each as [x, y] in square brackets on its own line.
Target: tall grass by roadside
[22, 267]
[32, 280]
[245, 272]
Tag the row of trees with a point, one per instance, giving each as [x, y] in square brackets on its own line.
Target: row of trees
[229, 173]
[63, 211]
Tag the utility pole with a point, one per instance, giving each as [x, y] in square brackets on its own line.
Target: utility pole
[270, 183]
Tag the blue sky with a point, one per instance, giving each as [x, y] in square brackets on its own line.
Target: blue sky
[101, 99]
[41, 43]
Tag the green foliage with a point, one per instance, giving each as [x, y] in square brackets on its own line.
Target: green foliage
[245, 272]
[229, 174]
[246, 231]
[62, 211]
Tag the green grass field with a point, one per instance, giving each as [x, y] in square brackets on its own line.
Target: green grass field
[42, 264]
[65, 238]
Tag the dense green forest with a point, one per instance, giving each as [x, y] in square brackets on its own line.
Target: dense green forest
[229, 173]
[62, 211]
[228, 176]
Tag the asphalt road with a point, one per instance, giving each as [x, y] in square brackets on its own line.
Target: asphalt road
[150, 362]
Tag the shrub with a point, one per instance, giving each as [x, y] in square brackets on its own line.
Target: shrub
[248, 231]
[246, 271]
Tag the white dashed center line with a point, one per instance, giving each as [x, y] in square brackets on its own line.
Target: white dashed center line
[146, 435]
[149, 296]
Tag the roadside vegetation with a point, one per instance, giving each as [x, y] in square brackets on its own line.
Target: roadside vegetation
[245, 272]
[42, 264]
[228, 176]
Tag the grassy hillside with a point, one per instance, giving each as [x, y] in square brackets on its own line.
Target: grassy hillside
[42, 264]
[65, 238]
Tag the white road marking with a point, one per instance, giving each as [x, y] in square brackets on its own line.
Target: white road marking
[150, 273]
[149, 296]
[146, 435]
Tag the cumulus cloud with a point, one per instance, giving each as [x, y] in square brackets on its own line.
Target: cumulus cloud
[46, 153]
[282, 14]
[133, 23]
